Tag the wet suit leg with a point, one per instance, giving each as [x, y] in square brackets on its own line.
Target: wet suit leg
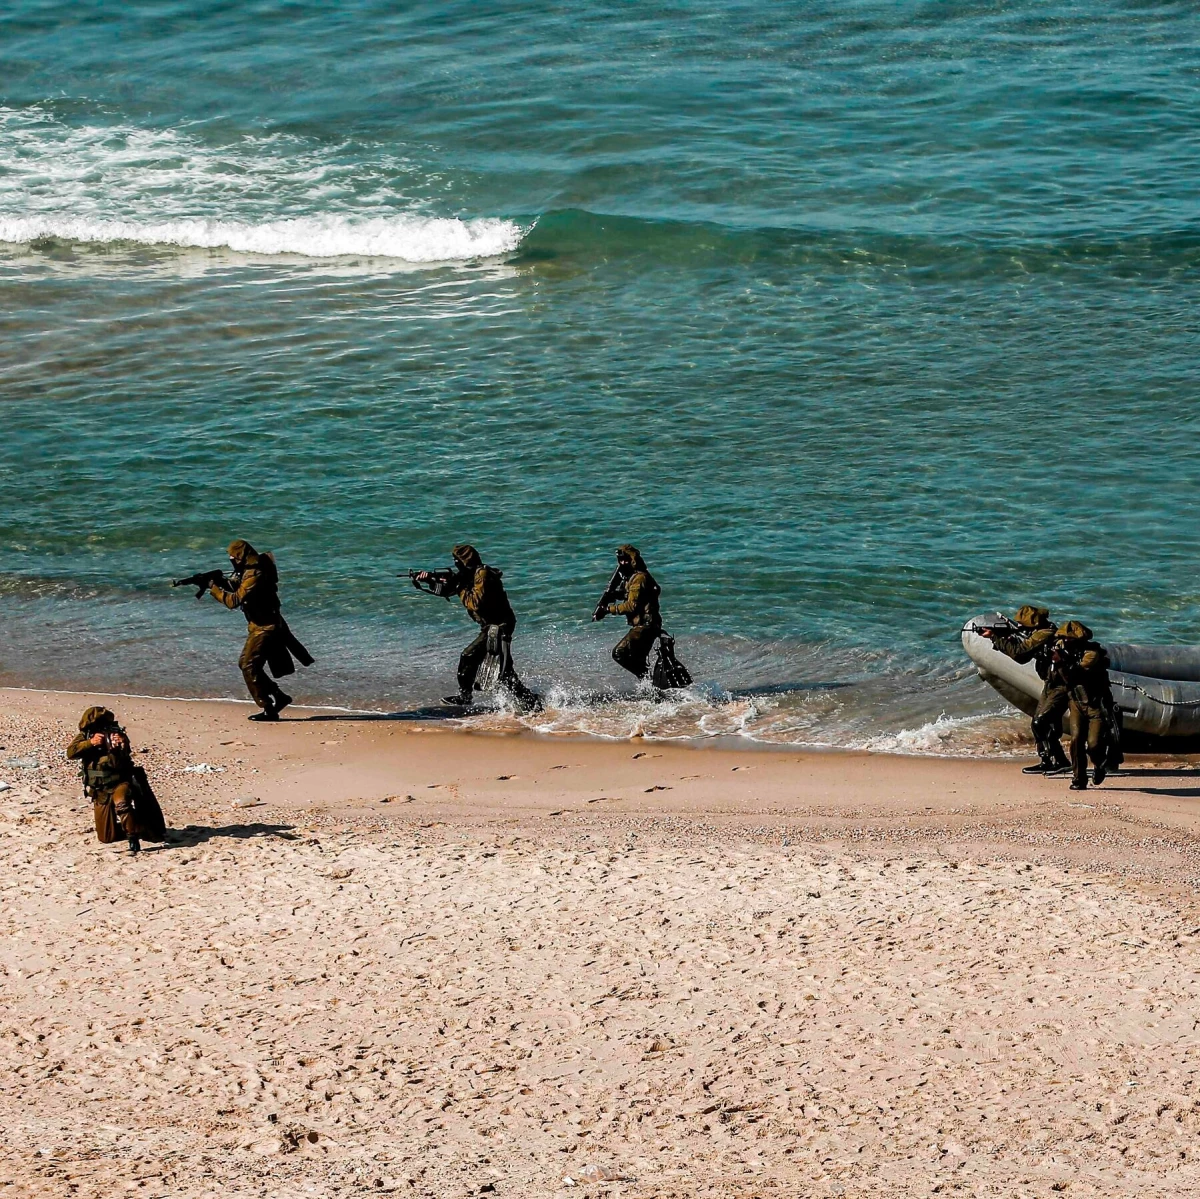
[1047, 725]
[632, 652]
[509, 679]
[469, 662]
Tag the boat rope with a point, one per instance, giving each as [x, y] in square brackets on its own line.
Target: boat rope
[1166, 703]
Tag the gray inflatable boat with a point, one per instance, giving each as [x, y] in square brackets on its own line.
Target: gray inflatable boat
[1156, 687]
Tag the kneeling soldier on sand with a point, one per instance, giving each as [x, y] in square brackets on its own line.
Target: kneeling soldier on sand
[124, 806]
[1033, 640]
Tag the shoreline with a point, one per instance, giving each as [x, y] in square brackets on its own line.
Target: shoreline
[421, 717]
[202, 754]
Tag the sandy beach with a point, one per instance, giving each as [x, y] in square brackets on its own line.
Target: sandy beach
[441, 964]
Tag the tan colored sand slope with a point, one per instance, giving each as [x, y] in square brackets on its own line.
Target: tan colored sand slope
[288, 1012]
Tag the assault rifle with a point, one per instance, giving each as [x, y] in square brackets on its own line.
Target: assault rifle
[202, 580]
[443, 583]
[614, 591]
[999, 624]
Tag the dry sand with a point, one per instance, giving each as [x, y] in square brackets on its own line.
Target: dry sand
[437, 964]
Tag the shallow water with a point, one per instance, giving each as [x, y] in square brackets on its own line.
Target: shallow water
[857, 319]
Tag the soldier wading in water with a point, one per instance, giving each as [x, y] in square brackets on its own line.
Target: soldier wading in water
[482, 593]
[124, 806]
[633, 593]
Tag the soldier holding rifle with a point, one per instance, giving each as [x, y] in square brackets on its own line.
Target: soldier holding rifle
[253, 586]
[632, 592]
[1032, 640]
[481, 590]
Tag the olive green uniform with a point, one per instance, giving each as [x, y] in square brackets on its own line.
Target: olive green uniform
[108, 777]
[639, 606]
[269, 641]
[1037, 645]
[1084, 665]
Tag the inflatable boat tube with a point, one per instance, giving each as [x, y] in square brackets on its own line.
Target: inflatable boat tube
[1157, 687]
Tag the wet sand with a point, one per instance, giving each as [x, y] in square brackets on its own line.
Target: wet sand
[436, 963]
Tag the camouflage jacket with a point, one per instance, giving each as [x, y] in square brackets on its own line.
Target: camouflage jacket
[1084, 666]
[1037, 646]
[104, 767]
[483, 595]
[639, 605]
[256, 593]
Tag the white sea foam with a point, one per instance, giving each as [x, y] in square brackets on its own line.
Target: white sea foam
[105, 184]
[954, 737]
[410, 238]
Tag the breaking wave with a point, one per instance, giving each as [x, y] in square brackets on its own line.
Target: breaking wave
[112, 184]
[409, 238]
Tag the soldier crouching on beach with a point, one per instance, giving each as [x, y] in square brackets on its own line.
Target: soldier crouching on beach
[124, 806]
[254, 588]
[1034, 640]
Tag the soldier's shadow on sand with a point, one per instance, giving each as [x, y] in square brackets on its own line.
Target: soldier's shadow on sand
[422, 714]
[198, 834]
[1135, 775]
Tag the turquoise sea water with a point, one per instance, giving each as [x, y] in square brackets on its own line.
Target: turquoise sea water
[858, 318]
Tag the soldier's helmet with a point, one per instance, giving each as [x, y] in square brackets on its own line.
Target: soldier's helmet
[242, 552]
[632, 553]
[1074, 630]
[96, 720]
[467, 556]
[1029, 616]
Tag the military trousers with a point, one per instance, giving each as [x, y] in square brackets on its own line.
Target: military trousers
[632, 652]
[1089, 735]
[114, 814]
[1046, 724]
[253, 663]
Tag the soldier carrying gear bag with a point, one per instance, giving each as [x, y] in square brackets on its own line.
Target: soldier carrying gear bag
[632, 592]
[123, 803]
[1033, 640]
[1084, 664]
[482, 593]
[254, 588]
